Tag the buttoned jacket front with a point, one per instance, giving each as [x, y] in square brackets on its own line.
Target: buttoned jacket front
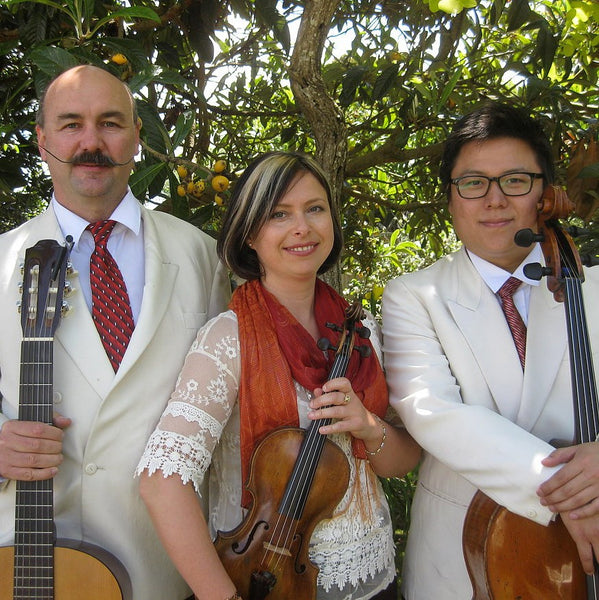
[96, 494]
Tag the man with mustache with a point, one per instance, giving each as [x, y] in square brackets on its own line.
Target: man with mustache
[106, 405]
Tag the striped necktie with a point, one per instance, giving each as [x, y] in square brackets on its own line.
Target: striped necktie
[514, 320]
[111, 309]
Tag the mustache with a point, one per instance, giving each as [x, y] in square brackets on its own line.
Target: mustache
[93, 158]
[90, 158]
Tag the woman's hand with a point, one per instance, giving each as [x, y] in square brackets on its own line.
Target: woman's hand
[337, 400]
[392, 452]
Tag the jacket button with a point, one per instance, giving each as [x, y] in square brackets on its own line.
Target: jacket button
[91, 468]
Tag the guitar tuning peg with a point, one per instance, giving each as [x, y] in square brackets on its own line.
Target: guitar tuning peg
[68, 288]
[65, 308]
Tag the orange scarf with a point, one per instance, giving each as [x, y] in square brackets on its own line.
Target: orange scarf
[276, 351]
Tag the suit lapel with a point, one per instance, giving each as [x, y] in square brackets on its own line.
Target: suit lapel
[477, 310]
[160, 276]
[546, 345]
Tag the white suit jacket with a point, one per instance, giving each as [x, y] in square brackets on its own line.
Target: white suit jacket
[455, 379]
[96, 494]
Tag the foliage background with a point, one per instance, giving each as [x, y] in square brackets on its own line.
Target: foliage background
[371, 88]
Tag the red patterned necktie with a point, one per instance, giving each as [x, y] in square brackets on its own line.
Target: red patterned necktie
[111, 309]
[512, 315]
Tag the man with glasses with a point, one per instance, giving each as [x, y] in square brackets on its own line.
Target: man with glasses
[484, 402]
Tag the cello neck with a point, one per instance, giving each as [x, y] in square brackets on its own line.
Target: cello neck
[584, 388]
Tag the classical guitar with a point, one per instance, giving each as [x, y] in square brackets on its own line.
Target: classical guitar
[38, 566]
[509, 557]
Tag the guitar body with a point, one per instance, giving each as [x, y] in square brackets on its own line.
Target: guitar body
[81, 572]
[503, 552]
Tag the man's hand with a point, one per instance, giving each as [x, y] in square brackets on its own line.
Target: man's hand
[31, 450]
[575, 487]
[585, 533]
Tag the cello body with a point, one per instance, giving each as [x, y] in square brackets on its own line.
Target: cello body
[510, 557]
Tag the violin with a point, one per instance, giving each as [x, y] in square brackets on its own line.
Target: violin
[297, 478]
[509, 556]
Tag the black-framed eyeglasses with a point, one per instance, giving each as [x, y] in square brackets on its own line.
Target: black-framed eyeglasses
[471, 187]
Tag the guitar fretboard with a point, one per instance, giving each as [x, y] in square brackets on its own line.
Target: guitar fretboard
[34, 512]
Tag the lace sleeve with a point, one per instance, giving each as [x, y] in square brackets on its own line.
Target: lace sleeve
[199, 407]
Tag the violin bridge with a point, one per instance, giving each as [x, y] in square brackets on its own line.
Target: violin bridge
[276, 549]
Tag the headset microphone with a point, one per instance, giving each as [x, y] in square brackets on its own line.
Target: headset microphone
[96, 158]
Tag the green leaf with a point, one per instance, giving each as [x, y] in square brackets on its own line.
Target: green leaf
[518, 14]
[140, 12]
[351, 80]
[52, 60]
[384, 81]
[450, 87]
[140, 180]
[547, 45]
[182, 128]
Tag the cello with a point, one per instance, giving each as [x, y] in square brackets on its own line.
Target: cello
[509, 557]
[297, 478]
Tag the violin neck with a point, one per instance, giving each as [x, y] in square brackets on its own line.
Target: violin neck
[300, 482]
[584, 389]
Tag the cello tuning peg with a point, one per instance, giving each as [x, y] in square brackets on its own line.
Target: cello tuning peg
[363, 350]
[575, 231]
[334, 327]
[536, 271]
[589, 261]
[363, 332]
[526, 237]
[325, 344]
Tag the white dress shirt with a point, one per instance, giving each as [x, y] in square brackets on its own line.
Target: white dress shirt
[495, 277]
[125, 244]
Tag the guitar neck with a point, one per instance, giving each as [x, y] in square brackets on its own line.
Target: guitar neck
[34, 511]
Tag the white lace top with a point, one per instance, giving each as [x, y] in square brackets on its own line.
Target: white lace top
[199, 433]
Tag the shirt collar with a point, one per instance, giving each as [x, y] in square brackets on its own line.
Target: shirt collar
[495, 276]
[128, 213]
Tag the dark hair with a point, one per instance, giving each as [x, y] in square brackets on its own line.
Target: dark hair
[39, 117]
[493, 121]
[256, 194]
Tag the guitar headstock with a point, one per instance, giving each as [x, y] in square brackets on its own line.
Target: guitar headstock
[44, 273]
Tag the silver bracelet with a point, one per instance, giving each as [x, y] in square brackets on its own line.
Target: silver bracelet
[235, 596]
[382, 441]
